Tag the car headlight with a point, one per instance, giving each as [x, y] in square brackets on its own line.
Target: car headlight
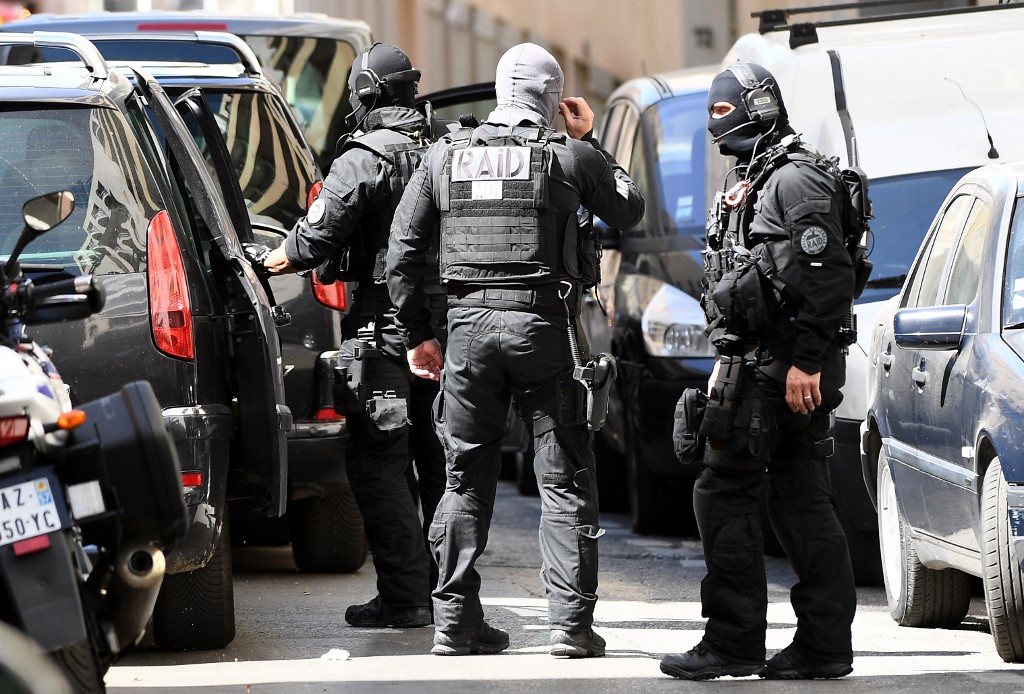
[673, 325]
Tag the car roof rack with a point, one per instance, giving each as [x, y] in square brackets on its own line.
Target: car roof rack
[79, 45]
[246, 56]
[804, 33]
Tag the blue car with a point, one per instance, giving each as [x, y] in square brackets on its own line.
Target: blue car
[945, 423]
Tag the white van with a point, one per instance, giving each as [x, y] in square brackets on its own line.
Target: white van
[915, 102]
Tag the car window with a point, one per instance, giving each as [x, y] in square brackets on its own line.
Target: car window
[274, 169]
[677, 130]
[624, 147]
[610, 124]
[313, 76]
[965, 271]
[924, 285]
[637, 171]
[1013, 283]
[92, 153]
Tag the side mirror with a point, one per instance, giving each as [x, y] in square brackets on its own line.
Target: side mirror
[42, 214]
[610, 237]
[930, 327]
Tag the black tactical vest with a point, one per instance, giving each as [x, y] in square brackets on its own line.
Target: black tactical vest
[401, 155]
[497, 224]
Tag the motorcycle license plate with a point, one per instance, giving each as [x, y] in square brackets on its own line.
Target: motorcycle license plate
[27, 510]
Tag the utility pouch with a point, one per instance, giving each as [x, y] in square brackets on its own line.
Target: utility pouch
[761, 430]
[602, 373]
[720, 413]
[386, 417]
[352, 382]
[687, 441]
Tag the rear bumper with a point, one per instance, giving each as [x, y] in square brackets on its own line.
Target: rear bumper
[316, 459]
[202, 436]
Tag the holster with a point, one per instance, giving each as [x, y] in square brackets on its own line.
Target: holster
[687, 440]
[597, 377]
[372, 389]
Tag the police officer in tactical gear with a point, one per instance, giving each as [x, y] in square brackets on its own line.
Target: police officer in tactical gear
[344, 235]
[779, 283]
[503, 199]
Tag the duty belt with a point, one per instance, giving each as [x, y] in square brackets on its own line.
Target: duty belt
[543, 298]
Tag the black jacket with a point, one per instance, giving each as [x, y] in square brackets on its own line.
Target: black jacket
[581, 174]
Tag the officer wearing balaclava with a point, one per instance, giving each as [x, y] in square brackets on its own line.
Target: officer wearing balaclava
[503, 199]
[344, 236]
[776, 383]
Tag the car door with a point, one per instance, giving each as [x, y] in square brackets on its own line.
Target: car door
[913, 392]
[254, 363]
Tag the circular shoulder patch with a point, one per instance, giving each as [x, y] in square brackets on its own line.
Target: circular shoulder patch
[316, 212]
[813, 240]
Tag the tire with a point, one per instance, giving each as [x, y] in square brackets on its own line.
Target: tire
[865, 554]
[526, 477]
[1004, 584]
[81, 666]
[657, 506]
[612, 488]
[327, 533]
[195, 610]
[917, 596]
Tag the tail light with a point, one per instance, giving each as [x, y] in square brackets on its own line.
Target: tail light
[330, 295]
[314, 193]
[327, 414]
[170, 310]
[13, 430]
[190, 480]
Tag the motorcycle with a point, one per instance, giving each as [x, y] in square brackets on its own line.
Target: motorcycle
[90, 496]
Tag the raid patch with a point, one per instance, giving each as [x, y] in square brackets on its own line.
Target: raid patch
[491, 164]
[813, 240]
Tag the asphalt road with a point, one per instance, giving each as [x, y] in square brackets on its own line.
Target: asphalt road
[292, 636]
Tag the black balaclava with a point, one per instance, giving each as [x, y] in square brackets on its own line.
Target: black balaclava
[384, 60]
[745, 133]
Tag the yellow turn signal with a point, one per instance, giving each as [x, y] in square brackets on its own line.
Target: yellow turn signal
[71, 420]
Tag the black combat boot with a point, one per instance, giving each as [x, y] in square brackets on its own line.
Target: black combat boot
[792, 664]
[699, 663]
[486, 639]
[377, 614]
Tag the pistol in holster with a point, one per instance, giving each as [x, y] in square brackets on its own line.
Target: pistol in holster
[597, 377]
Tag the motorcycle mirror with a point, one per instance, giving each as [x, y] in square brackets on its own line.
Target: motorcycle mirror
[42, 214]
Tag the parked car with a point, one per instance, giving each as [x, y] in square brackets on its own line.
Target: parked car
[646, 311]
[915, 101]
[946, 414]
[308, 55]
[184, 308]
[245, 130]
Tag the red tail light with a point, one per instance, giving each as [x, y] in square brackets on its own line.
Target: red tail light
[191, 479]
[327, 414]
[33, 544]
[13, 430]
[170, 310]
[314, 193]
[330, 295]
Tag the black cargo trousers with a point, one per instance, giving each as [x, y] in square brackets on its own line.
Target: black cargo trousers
[726, 500]
[492, 357]
[377, 460]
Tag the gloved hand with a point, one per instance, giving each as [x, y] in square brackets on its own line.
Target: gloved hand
[256, 254]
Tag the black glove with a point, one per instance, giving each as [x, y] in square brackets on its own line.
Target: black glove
[256, 254]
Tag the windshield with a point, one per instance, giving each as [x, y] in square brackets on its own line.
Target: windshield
[904, 207]
[678, 131]
[90, 152]
[1013, 283]
[274, 169]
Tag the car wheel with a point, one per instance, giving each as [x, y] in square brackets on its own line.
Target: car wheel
[514, 444]
[658, 506]
[612, 489]
[864, 549]
[526, 478]
[195, 610]
[1004, 594]
[327, 533]
[81, 666]
[917, 596]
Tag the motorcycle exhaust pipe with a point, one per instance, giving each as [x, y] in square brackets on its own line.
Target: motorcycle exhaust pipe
[138, 573]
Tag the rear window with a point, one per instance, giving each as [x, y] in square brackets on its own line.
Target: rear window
[90, 152]
[313, 76]
[273, 167]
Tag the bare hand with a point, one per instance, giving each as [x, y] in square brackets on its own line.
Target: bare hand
[426, 360]
[802, 390]
[579, 119]
[277, 262]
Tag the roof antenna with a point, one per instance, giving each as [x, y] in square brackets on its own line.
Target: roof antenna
[992, 152]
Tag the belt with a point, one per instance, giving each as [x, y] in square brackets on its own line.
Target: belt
[543, 298]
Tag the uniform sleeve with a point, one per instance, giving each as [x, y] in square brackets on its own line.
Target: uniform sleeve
[811, 206]
[351, 186]
[604, 187]
[414, 225]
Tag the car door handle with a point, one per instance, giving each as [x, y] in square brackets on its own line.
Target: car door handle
[920, 376]
[886, 357]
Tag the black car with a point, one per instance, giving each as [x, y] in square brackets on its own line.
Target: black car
[184, 308]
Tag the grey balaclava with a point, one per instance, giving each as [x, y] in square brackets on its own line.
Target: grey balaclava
[528, 85]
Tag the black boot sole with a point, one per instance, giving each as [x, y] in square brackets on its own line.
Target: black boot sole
[710, 673]
[817, 672]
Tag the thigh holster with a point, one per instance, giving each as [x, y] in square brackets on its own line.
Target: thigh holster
[372, 390]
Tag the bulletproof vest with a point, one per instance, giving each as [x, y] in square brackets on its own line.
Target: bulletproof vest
[401, 154]
[497, 223]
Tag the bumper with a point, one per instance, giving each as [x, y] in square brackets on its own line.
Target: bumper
[316, 459]
[202, 438]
